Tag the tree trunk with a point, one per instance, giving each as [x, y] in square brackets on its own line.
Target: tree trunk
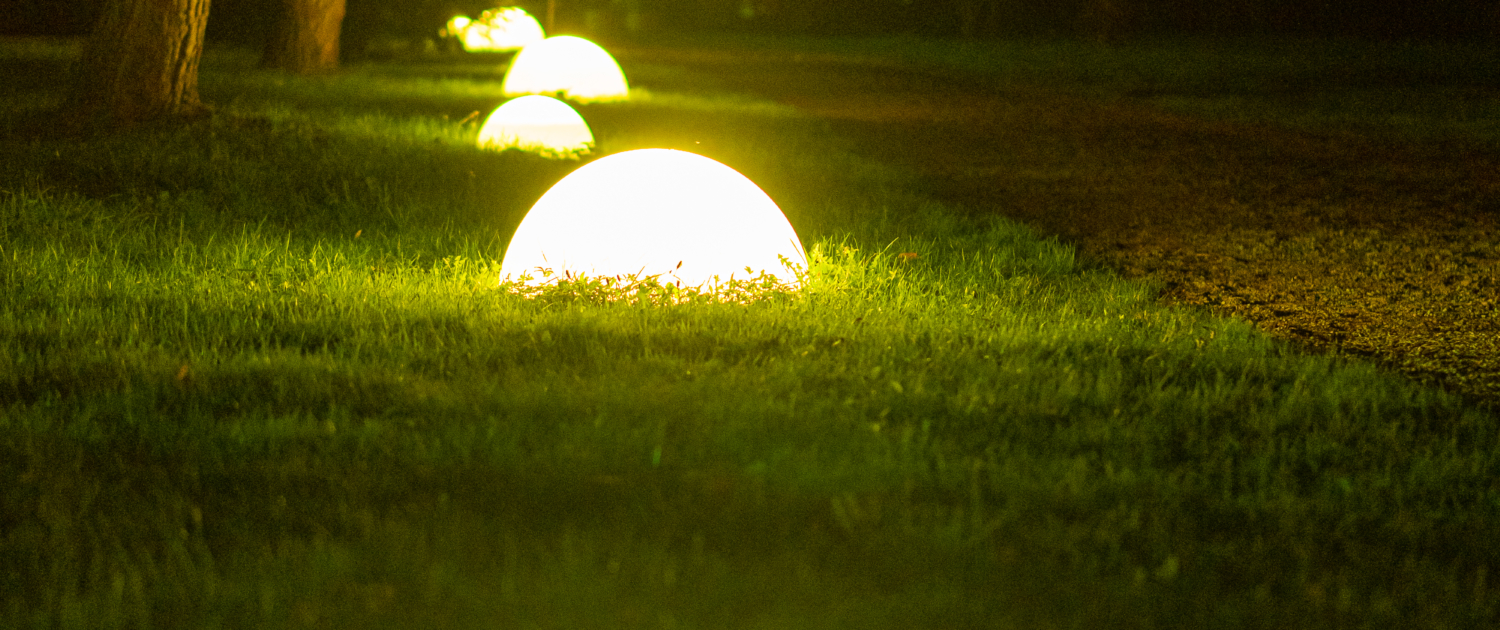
[305, 39]
[140, 63]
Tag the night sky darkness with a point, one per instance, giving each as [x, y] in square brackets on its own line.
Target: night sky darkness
[243, 21]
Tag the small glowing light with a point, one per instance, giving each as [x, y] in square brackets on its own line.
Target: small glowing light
[456, 26]
[654, 212]
[540, 124]
[497, 30]
[574, 67]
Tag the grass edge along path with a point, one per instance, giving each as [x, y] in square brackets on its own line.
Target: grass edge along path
[1339, 194]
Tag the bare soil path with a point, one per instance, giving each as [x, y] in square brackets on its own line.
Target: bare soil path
[1378, 248]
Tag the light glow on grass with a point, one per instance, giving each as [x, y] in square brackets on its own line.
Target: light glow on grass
[270, 384]
[496, 30]
[569, 66]
[674, 215]
[538, 124]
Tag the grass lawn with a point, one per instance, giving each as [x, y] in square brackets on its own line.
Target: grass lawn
[255, 371]
[1341, 195]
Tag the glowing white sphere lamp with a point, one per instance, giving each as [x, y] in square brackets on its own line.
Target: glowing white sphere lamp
[571, 66]
[475, 37]
[511, 28]
[456, 26]
[496, 30]
[654, 212]
[538, 124]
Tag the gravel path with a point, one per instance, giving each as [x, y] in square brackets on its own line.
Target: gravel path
[1343, 243]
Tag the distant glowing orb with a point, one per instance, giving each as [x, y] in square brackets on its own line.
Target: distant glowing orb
[643, 212]
[539, 124]
[496, 30]
[574, 67]
[456, 26]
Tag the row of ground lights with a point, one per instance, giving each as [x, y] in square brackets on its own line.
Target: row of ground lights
[675, 216]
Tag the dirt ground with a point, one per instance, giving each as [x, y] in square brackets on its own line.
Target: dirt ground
[1342, 243]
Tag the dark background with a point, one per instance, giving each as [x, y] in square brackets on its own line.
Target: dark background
[367, 21]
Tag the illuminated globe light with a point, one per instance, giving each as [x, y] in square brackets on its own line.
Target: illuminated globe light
[539, 124]
[496, 30]
[475, 38]
[456, 26]
[654, 212]
[574, 67]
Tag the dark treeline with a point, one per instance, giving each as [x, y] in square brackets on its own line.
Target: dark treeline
[1469, 19]
[367, 21]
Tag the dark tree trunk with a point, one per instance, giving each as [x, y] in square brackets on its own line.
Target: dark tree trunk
[140, 63]
[305, 39]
